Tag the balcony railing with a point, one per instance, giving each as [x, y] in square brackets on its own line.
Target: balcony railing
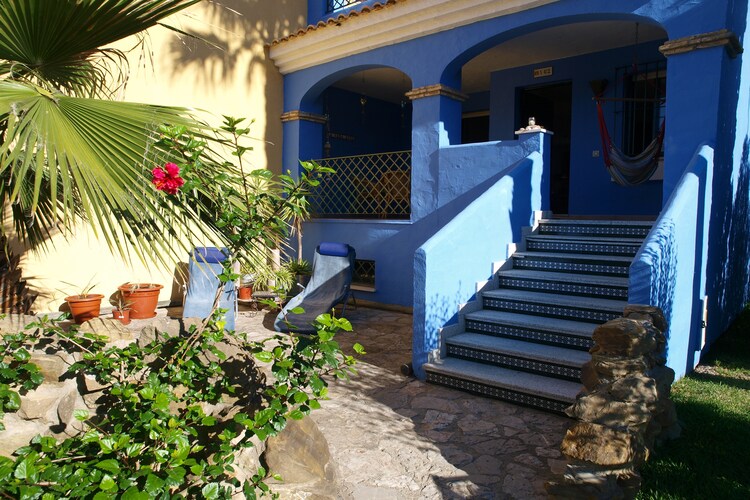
[376, 186]
[334, 5]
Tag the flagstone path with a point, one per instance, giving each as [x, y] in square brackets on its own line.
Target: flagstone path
[394, 437]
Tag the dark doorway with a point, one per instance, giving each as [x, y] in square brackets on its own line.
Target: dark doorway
[551, 106]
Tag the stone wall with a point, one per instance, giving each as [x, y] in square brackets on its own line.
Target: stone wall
[624, 410]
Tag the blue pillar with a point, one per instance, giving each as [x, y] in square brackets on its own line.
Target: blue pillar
[692, 109]
[303, 138]
[436, 122]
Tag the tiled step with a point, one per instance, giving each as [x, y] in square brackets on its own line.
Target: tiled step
[537, 329]
[588, 309]
[572, 263]
[626, 247]
[564, 283]
[519, 387]
[518, 355]
[596, 228]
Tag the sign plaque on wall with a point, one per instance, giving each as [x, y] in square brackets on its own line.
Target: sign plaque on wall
[542, 72]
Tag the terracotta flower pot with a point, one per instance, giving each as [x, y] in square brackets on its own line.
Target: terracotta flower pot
[84, 308]
[123, 316]
[245, 292]
[142, 298]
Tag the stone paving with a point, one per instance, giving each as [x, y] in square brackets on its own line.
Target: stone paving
[394, 437]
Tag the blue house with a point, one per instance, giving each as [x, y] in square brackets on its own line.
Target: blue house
[519, 170]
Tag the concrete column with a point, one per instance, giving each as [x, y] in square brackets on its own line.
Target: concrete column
[436, 122]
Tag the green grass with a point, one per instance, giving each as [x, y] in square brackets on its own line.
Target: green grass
[712, 457]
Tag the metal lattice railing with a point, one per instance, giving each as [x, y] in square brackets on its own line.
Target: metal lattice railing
[334, 5]
[376, 186]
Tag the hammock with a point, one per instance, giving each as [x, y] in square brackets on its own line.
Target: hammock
[629, 170]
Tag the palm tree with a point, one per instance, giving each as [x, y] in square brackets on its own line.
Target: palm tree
[68, 151]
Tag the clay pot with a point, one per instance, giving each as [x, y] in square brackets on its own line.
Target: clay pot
[123, 316]
[142, 298]
[84, 308]
[245, 292]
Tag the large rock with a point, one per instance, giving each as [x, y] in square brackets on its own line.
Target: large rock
[635, 389]
[300, 453]
[18, 432]
[614, 367]
[14, 323]
[52, 366]
[600, 408]
[111, 328]
[624, 337]
[650, 313]
[601, 445]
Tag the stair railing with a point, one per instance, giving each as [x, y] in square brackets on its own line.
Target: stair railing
[669, 270]
[448, 266]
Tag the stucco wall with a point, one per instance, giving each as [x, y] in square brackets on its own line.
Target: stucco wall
[592, 190]
[236, 79]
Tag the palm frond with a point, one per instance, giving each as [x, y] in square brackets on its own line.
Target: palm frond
[58, 43]
[66, 157]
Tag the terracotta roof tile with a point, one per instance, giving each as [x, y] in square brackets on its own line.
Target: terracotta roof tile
[337, 20]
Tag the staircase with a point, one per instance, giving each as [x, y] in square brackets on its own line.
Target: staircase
[528, 338]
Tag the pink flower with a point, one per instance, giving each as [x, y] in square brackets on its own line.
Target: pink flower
[167, 178]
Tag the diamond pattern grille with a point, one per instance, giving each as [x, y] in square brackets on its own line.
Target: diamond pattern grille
[374, 186]
[334, 5]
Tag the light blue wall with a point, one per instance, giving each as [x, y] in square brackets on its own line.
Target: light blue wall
[592, 190]
[669, 268]
[462, 173]
[448, 266]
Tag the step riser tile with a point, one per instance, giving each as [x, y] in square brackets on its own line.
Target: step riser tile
[583, 290]
[535, 336]
[549, 310]
[581, 248]
[520, 398]
[515, 363]
[543, 264]
[618, 231]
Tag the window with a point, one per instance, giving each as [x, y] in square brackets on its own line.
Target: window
[334, 5]
[641, 111]
[364, 275]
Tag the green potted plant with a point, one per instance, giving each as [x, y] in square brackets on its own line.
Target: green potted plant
[302, 271]
[245, 290]
[143, 298]
[121, 308]
[84, 305]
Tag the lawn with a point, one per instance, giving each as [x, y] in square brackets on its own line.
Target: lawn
[712, 458]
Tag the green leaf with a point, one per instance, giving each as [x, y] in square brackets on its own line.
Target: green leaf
[109, 465]
[132, 493]
[210, 491]
[297, 415]
[264, 356]
[107, 483]
[358, 348]
[81, 415]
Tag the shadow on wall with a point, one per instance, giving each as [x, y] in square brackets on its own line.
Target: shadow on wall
[735, 271]
[236, 33]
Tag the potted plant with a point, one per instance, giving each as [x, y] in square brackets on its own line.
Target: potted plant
[84, 305]
[121, 308]
[302, 271]
[142, 297]
[245, 290]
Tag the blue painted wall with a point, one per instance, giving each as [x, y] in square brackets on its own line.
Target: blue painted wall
[375, 127]
[591, 188]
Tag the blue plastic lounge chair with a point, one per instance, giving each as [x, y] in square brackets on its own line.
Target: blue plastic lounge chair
[205, 265]
[333, 267]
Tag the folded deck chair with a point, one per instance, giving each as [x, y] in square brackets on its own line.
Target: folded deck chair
[333, 266]
[204, 268]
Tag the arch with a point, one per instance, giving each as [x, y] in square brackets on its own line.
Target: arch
[310, 98]
[452, 72]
